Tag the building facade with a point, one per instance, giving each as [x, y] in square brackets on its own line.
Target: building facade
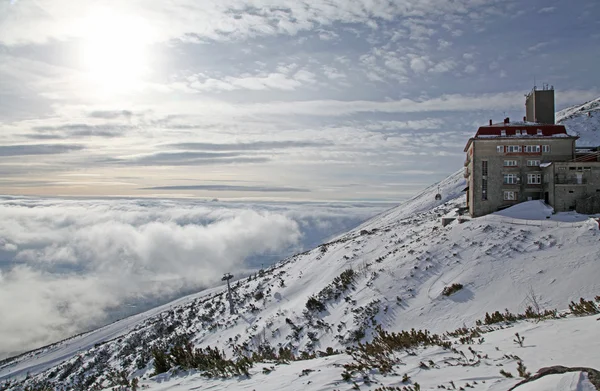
[504, 163]
[573, 186]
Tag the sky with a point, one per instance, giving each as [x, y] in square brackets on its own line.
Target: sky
[356, 100]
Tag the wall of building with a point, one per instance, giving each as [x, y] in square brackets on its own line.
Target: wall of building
[589, 205]
[544, 106]
[485, 149]
[539, 106]
[569, 183]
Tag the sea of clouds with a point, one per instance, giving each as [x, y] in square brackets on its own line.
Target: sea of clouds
[67, 266]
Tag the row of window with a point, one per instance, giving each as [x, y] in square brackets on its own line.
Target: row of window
[522, 148]
[520, 132]
[515, 163]
[514, 179]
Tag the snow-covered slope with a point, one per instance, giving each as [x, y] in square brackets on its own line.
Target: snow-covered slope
[583, 121]
[401, 261]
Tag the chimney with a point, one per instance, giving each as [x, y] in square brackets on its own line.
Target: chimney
[507, 120]
[490, 122]
[524, 119]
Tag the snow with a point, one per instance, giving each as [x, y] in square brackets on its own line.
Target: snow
[578, 347]
[574, 381]
[530, 210]
[583, 121]
[404, 254]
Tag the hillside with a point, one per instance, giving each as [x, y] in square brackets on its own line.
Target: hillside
[583, 121]
[389, 272]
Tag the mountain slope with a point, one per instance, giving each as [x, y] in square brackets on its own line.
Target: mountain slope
[401, 261]
[583, 121]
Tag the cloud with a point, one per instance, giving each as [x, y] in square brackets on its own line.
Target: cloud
[38, 149]
[67, 131]
[69, 265]
[248, 146]
[546, 10]
[271, 81]
[187, 159]
[538, 46]
[228, 20]
[265, 189]
[443, 66]
[470, 69]
[111, 114]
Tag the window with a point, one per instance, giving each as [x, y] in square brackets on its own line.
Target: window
[539, 132]
[534, 179]
[533, 163]
[500, 149]
[484, 184]
[532, 148]
[503, 132]
[484, 189]
[513, 148]
[510, 163]
[511, 179]
[510, 195]
[546, 148]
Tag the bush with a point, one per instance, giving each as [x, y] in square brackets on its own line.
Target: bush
[211, 362]
[451, 289]
[379, 354]
[506, 374]
[584, 308]
[314, 305]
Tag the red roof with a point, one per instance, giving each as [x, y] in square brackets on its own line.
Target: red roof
[525, 129]
[529, 129]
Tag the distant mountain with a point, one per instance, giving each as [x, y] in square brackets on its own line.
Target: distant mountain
[583, 121]
[396, 272]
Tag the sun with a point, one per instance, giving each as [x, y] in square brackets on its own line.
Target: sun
[114, 50]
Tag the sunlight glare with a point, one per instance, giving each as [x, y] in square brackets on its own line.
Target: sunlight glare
[114, 52]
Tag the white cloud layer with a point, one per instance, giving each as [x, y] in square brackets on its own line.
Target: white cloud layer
[66, 266]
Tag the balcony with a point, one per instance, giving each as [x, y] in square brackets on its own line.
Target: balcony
[570, 181]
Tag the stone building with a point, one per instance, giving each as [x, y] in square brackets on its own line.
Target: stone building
[512, 162]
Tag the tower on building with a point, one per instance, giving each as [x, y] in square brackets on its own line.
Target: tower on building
[539, 105]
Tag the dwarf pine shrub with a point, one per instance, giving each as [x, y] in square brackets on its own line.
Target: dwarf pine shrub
[584, 307]
[210, 361]
[379, 354]
[314, 305]
[451, 289]
[522, 370]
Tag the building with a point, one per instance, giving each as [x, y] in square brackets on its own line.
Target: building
[572, 186]
[512, 162]
[539, 105]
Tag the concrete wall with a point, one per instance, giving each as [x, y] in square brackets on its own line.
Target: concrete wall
[539, 106]
[485, 149]
[544, 106]
[569, 183]
[589, 205]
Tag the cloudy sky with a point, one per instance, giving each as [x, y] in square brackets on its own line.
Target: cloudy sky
[280, 99]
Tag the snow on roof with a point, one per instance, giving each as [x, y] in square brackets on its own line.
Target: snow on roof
[543, 165]
[522, 129]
